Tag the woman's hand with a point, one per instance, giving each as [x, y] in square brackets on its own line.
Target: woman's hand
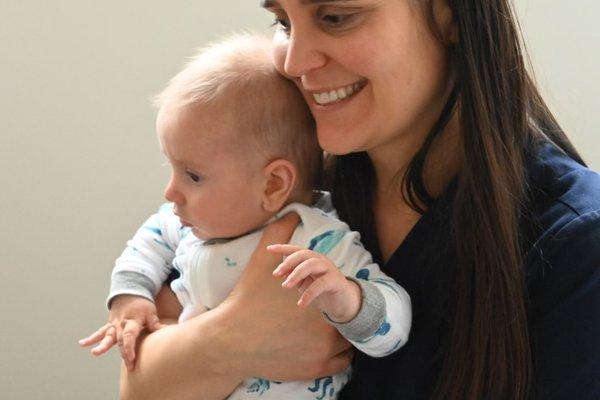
[269, 334]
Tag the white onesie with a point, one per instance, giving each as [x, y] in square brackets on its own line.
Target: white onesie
[210, 269]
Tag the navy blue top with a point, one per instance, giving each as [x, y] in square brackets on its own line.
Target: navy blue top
[563, 289]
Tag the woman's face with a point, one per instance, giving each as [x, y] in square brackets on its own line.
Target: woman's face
[372, 72]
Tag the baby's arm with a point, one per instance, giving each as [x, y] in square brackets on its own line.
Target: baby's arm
[369, 308]
[136, 279]
[146, 262]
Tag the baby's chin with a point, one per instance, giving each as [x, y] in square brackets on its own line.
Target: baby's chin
[200, 234]
[204, 236]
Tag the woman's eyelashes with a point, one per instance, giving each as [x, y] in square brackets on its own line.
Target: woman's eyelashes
[282, 25]
[339, 21]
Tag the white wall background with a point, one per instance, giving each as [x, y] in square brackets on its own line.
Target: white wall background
[80, 168]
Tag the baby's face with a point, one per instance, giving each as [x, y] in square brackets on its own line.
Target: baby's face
[216, 184]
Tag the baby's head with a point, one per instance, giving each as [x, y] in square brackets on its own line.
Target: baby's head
[239, 137]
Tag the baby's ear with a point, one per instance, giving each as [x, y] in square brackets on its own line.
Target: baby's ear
[280, 179]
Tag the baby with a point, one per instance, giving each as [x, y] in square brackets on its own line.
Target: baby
[243, 151]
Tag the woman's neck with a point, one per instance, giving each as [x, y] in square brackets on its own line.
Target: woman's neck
[394, 217]
[391, 160]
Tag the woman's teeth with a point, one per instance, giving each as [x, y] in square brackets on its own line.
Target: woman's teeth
[339, 94]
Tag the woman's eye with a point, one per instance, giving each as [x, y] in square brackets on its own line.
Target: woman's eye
[194, 177]
[282, 24]
[340, 20]
[335, 19]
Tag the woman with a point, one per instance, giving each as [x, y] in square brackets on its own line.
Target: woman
[465, 189]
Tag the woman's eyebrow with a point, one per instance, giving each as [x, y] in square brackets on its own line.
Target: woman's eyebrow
[273, 3]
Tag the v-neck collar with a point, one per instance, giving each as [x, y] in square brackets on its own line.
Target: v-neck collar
[439, 210]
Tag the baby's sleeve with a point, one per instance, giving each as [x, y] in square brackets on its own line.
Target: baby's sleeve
[383, 323]
[147, 260]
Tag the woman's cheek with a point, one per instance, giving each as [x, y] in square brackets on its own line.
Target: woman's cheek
[280, 46]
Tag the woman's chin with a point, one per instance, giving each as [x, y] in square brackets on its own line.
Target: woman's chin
[336, 142]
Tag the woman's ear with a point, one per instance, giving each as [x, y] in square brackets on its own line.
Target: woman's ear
[444, 20]
[280, 179]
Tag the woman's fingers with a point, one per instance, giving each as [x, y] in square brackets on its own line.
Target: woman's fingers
[109, 340]
[95, 337]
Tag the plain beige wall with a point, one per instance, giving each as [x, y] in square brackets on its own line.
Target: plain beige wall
[80, 167]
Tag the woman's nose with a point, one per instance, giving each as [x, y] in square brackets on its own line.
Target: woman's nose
[302, 53]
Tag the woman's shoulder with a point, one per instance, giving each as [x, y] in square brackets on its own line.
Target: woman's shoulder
[556, 179]
[562, 191]
[564, 250]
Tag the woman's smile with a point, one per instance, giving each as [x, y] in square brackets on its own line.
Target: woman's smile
[328, 97]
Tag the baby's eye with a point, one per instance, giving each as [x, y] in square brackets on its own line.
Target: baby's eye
[194, 177]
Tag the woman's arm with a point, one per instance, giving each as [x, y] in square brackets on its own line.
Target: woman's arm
[181, 361]
[258, 331]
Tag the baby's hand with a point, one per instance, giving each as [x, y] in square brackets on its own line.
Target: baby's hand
[318, 280]
[129, 315]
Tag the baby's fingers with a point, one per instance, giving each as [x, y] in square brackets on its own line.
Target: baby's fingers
[283, 249]
[317, 288]
[94, 337]
[131, 331]
[293, 260]
[106, 343]
[312, 267]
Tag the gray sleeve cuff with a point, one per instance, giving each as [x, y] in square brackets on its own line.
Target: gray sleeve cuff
[369, 318]
[131, 283]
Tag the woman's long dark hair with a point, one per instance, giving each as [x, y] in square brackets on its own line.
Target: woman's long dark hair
[501, 113]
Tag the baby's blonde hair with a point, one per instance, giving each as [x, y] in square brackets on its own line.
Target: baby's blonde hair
[271, 115]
